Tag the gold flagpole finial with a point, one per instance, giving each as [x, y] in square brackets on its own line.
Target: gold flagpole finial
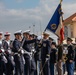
[61, 1]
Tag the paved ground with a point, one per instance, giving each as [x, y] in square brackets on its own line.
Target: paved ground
[66, 73]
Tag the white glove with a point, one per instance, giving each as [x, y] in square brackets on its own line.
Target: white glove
[22, 51]
[39, 37]
[47, 59]
[4, 59]
[2, 50]
[9, 51]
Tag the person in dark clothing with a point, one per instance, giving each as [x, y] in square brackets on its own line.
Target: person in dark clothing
[17, 53]
[53, 58]
[8, 51]
[38, 54]
[70, 57]
[51, 39]
[60, 54]
[2, 60]
[26, 47]
[75, 56]
[45, 53]
[33, 50]
[2, 65]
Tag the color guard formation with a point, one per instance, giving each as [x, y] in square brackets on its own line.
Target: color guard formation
[29, 54]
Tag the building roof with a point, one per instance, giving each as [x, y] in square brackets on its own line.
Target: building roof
[70, 19]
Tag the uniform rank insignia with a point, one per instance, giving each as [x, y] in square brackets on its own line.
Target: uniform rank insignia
[44, 45]
[39, 45]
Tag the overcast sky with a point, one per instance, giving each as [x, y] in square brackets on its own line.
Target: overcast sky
[22, 14]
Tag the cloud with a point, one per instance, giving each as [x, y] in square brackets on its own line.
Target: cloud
[15, 19]
[69, 9]
[2, 5]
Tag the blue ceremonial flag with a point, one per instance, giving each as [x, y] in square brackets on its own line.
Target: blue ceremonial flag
[53, 25]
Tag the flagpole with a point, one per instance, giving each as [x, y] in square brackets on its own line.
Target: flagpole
[33, 28]
[40, 28]
[61, 17]
[61, 1]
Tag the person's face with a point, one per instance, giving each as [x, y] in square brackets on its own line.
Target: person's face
[16, 36]
[68, 42]
[0, 36]
[20, 37]
[27, 35]
[58, 42]
[50, 40]
[30, 37]
[24, 34]
[7, 37]
[52, 46]
[45, 36]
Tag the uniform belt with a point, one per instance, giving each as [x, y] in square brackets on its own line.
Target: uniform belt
[16, 53]
[26, 52]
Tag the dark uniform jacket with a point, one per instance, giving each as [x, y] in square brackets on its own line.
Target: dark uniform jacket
[6, 46]
[45, 51]
[2, 67]
[38, 50]
[2, 63]
[16, 45]
[53, 56]
[26, 46]
[71, 53]
[9, 64]
[60, 52]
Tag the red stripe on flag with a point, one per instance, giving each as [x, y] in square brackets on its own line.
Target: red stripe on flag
[62, 33]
